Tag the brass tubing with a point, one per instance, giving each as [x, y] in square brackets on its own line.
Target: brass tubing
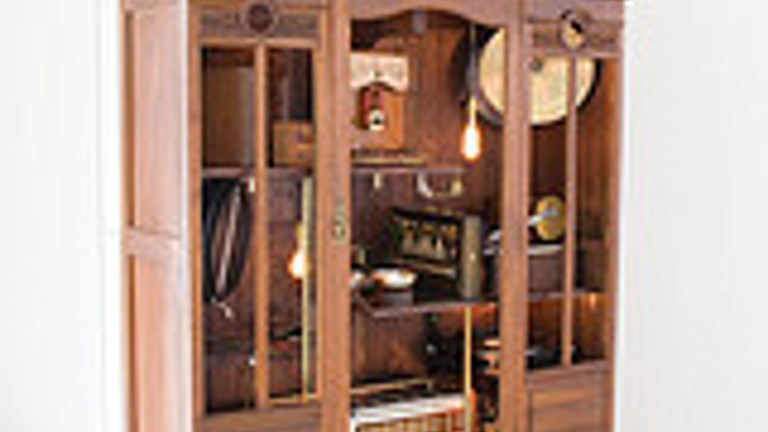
[468, 369]
[305, 235]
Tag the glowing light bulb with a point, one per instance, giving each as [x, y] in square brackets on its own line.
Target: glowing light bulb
[297, 266]
[472, 140]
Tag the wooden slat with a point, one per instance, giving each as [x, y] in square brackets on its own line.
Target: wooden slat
[155, 241]
[515, 190]
[571, 204]
[280, 43]
[333, 202]
[156, 348]
[616, 98]
[195, 194]
[260, 229]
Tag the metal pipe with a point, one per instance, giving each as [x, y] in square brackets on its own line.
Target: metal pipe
[307, 222]
[468, 391]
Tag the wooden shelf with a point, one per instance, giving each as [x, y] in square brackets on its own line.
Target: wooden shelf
[246, 171]
[379, 310]
[407, 169]
[544, 249]
[535, 296]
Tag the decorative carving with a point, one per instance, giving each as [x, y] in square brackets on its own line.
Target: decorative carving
[574, 29]
[598, 37]
[260, 17]
[257, 20]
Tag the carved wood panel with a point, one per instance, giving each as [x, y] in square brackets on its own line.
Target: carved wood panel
[258, 20]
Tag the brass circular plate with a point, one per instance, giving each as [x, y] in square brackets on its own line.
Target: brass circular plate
[491, 73]
[549, 87]
[551, 227]
[548, 82]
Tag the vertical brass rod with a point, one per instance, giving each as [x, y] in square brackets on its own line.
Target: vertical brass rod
[307, 221]
[468, 391]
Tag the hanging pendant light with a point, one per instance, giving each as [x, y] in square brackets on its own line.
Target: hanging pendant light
[472, 138]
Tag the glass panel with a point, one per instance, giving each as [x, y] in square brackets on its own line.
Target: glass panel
[424, 208]
[237, 278]
[596, 132]
[549, 82]
[227, 110]
[291, 148]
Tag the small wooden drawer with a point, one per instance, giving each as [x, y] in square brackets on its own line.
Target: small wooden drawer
[569, 404]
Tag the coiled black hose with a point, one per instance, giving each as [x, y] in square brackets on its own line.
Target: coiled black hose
[221, 214]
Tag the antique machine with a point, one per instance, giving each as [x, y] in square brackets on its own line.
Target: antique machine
[372, 215]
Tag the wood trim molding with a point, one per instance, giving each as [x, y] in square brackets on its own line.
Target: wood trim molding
[290, 419]
[513, 289]
[146, 245]
[133, 5]
[493, 12]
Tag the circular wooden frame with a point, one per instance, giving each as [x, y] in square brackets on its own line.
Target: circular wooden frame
[260, 17]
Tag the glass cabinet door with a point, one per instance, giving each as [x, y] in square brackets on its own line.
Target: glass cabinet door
[290, 115]
[228, 207]
[425, 172]
[258, 200]
[573, 139]
[549, 78]
[597, 129]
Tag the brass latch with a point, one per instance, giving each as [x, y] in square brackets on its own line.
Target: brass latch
[340, 223]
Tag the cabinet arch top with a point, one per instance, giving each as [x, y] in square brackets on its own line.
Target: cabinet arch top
[493, 12]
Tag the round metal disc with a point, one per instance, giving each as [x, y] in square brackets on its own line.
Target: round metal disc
[548, 82]
[552, 227]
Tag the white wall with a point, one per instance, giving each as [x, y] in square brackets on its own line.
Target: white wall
[694, 342]
[59, 366]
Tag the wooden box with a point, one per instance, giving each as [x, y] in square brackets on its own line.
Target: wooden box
[293, 143]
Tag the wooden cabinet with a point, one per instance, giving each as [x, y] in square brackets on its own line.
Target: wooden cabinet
[354, 215]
